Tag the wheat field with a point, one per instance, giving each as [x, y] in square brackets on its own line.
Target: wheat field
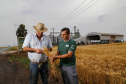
[100, 64]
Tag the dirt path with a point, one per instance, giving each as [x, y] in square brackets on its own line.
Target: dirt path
[14, 73]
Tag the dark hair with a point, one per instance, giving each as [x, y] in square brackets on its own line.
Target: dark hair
[66, 29]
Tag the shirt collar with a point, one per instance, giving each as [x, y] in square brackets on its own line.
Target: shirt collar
[35, 34]
[67, 40]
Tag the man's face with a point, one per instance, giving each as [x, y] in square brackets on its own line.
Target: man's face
[39, 34]
[65, 36]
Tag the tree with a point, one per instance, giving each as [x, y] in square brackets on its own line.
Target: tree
[21, 31]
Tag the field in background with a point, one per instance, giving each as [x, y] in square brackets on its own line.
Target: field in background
[96, 64]
[101, 64]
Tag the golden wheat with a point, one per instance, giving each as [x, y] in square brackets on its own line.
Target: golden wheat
[101, 64]
[53, 70]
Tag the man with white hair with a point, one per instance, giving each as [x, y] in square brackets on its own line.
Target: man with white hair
[34, 44]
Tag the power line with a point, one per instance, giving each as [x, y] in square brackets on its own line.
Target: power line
[72, 17]
[79, 10]
[66, 12]
[71, 12]
[87, 8]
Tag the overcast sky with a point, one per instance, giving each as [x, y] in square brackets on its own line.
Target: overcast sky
[106, 16]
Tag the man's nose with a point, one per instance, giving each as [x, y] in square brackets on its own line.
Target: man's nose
[39, 32]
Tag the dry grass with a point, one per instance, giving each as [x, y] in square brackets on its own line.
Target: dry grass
[101, 64]
[13, 48]
[53, 70]
[2, 47]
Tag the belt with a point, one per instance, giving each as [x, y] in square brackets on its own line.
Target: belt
[38, 62]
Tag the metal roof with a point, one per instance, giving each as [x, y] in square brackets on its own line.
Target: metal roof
[103, 34]
[80, 39]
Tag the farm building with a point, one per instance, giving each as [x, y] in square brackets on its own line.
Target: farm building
[95, 37]
[103, 38]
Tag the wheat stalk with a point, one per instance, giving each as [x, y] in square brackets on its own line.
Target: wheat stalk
[53, 69]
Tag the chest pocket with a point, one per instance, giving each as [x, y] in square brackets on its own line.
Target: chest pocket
[33, 44]
[45, 43]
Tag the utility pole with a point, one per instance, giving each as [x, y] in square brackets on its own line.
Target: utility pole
[74, 29]
[53, 34]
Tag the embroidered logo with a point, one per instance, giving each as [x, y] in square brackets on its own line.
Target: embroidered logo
[67, 45]
[72, 46]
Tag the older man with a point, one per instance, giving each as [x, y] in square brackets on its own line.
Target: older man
[34, 44]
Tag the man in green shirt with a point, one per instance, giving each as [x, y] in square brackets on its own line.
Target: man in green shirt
[66, 54]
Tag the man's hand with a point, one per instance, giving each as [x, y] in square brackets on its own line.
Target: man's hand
[52, 58]
[38, 51]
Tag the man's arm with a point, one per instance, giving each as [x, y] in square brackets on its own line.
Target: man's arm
[32, 50]
[62, 56]
[52, 59]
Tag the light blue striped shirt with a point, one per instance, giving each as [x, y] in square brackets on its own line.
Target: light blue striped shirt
[32, 41]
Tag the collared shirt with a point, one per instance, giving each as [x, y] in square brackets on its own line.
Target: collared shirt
[63, 48]
[32, 41]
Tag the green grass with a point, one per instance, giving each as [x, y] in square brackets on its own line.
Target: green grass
[24, 62]
[11, 59]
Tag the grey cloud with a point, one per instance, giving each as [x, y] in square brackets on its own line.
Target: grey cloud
[27, 12]
[101, 17]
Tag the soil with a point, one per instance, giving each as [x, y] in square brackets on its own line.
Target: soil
[14, 73]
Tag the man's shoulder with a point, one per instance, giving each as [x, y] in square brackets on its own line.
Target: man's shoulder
[72, 41]
[30, 35]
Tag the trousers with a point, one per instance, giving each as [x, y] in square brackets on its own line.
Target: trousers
[35, 70]
[69, 74]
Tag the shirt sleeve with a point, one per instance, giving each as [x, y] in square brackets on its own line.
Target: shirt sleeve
[26, 41]
[49, 43]
[72, 47]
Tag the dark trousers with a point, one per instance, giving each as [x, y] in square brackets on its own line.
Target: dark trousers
[35, 70]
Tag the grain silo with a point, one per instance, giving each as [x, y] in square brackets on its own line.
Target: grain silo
[52, 38]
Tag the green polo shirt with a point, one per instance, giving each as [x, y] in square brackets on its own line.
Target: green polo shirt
[63, 48]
